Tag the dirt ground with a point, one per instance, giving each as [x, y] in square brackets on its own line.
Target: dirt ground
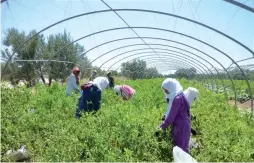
[243, 106]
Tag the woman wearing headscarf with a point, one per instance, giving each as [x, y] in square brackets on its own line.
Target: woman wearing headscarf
[90, 100]
[125, 91]
[178, 114]
[191, 94]
[73, 81]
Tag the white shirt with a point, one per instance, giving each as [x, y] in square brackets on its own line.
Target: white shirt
[72, 85]
[101, 82]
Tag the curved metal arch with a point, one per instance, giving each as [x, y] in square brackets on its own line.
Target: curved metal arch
[233, 85]
[179, 62]
[239, 4]
[233, 61]
[149, 11]
[137, 10]
[151, 60]
[165, 46]
[182, 57]
[171, 59]
[156, 12]
[164, 68]
[158, 53]
[171, 67]
[186, 61]
[179, 33]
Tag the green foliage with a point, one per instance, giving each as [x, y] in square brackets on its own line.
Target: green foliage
[137, 70]
[40, 49]
[43, 119]
[185, 73]
[241, 87]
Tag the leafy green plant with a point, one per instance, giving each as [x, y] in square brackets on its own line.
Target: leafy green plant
[43, 118]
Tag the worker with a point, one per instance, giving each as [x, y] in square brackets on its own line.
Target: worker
[90, 100]
[73, 81]
[125, 91]
[93, 76]
[178, 114]
[191, 94]
[111, 80]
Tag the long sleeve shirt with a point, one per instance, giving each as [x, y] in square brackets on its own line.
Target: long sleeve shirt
[180, 111]
[72, 84]
[127, 92]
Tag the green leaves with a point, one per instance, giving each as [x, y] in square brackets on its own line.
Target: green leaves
[43, 118]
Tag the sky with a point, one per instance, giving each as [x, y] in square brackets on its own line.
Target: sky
[27, 15]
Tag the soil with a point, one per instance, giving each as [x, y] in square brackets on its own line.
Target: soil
[242, 106]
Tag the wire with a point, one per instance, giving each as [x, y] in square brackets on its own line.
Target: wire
[178, 14]
[65, 12]
[234, 16]
[29, 9]
[12, 17]
[90, 25]
[34, 60]
[193, 14]
[132, 29]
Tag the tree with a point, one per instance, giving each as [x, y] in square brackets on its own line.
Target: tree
[21, 70]
[137, 70]
[151, 73]
[134, 69]
[39, 49]
[186, 73]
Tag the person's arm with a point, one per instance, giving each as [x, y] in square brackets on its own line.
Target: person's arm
[172, 114]
[97, 100]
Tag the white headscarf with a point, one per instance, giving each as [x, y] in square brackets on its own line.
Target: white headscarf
[174, 88]
[117, 89]
[100, 82]
[190, 94]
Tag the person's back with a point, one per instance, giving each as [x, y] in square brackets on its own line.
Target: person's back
[90, 99]
[71, 84]
[191, 94]
[127, 91]
[101, 82]
[92, 94]
[184, 110]
[73, 81]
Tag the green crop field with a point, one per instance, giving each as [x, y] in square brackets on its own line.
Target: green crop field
[241, 87]
[42, 118]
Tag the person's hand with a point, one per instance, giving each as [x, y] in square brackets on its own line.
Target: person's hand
[163, 118]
